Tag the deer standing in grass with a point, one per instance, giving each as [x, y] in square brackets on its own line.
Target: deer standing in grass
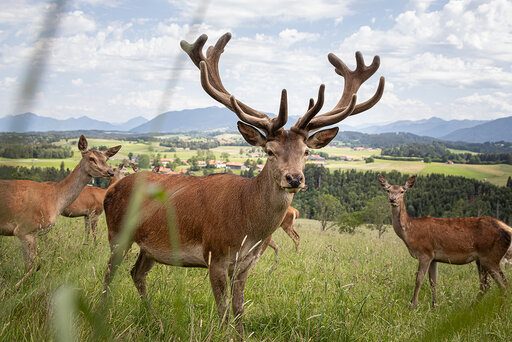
[89, 204]
[221, 219]
[457, 241]
[29, 208]
[288, 226]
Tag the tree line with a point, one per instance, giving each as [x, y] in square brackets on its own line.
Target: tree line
[437, 152]
[37, 150]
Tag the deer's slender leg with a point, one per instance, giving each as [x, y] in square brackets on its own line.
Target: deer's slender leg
[275, 247]
[94, 225]
[87, 223]
[423, 266]
[29, 249]
[483, 274]
[497, 275]
[139, 272]
[432, 275]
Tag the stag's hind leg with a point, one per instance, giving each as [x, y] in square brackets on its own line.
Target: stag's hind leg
[94, 225]
[87, 225]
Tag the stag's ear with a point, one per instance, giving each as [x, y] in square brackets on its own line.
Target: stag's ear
[384, 183]
[82, 144]
[322, 138]
[112, 151]
[409, 183]
[251, 134]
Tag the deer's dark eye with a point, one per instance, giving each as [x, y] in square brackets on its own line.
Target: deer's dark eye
[270, 153]
[91, 158]
[307, 153]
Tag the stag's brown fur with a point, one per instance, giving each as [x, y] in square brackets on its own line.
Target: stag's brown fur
[29, 208]
[455, 241]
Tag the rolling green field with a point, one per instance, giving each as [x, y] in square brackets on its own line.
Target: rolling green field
[336, 288]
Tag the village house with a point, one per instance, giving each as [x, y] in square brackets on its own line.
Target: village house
[236, 166]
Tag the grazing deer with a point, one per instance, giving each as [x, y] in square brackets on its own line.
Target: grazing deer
[288, 226]
[89, 204]
[455, 241]
[221, 219]
[29, 208]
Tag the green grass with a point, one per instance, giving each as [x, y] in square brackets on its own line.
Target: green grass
[336, 288]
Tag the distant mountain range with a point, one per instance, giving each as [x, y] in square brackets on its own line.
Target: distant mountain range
[221, 119]
[30, 122]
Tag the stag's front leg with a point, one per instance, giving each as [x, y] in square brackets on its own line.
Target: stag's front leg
[423, 266]
[218, 281]
[238, 279]
[432, 274]
[87, 224]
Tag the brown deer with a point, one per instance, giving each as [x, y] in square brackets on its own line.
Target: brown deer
[89, 204]
[29, 208]
[455, 241]
[288, 226]
[221, 219]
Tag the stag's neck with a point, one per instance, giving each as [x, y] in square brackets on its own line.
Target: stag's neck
[400, 220]
[70, 187]
[271, 201]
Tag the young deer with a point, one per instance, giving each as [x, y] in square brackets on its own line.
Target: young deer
[455, 241]
[89, 204]
[29, 208]
[288, 226]
[222, 219]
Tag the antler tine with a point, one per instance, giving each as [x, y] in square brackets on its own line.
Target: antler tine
[314, 108]
[211, 61]
[261, 123]
[326, 120]
[346, 106]
[281, 119]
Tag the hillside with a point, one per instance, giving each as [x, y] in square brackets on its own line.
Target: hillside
[495, 130]
[30, 122]
[433, 127]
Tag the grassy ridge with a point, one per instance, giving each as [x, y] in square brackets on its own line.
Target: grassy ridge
[336, 288]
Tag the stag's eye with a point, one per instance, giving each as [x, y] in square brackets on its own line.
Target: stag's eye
[307, 153]
[91, 159]
[270, 153]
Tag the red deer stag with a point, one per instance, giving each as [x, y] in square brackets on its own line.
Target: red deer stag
[455, 241]
[223, 218]
[89, 204]
[29, 208]
[288, 226]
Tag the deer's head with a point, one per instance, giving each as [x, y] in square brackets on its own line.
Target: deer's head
[287, 150]
[396, 192]
[95, 162]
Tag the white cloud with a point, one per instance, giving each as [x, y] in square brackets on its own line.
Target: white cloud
[77, 82]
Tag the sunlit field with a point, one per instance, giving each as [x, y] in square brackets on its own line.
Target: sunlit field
[338, 287]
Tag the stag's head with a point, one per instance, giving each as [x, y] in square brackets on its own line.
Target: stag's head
[396, 192]
[287, 150]
[95, 162]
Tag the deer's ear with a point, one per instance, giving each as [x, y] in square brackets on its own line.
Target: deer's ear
[384, 183]
[410, 182]
[251, 134]
[82, 144]
[322, 138]
[112, 151]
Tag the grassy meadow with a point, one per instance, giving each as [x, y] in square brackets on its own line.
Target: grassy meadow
[338, 287]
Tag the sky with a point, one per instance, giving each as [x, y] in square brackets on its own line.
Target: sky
[114, 60]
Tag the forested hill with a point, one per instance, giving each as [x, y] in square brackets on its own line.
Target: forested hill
[434, 195]
[382, 140]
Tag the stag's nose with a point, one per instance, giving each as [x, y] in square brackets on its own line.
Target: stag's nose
[110, 173]
[294, 180]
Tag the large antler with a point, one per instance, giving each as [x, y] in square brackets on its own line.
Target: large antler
[346, 106]
[212, 84]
